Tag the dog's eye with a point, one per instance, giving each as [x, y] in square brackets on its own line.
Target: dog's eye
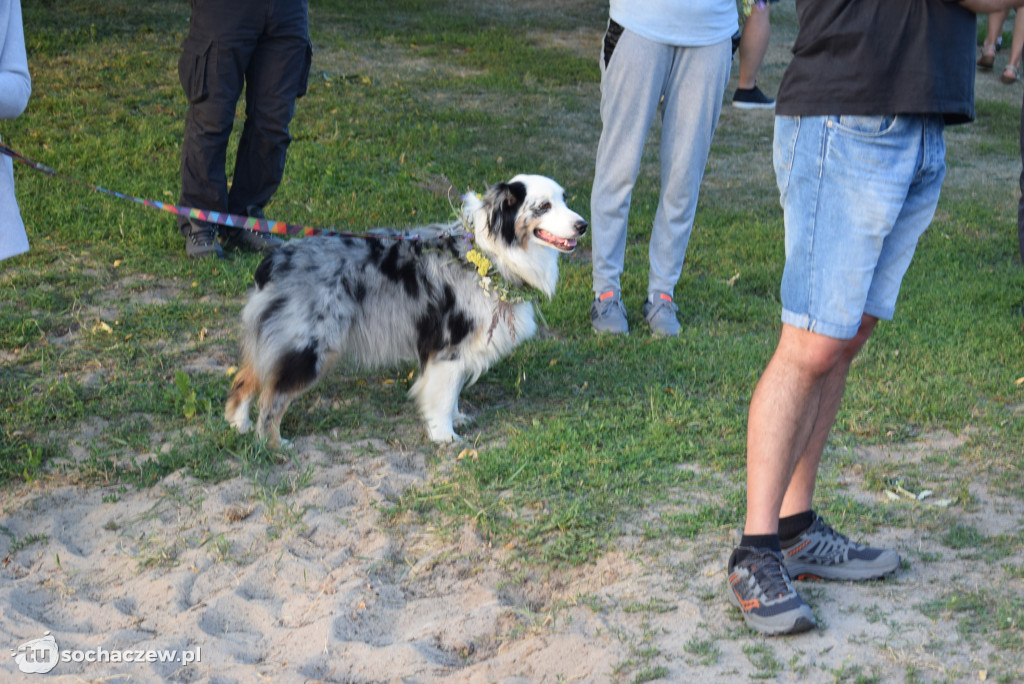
[546, 206]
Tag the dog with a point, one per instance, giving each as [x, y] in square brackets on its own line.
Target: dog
[445, 296]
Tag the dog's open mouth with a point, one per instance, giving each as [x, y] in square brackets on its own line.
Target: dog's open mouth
[561, 244]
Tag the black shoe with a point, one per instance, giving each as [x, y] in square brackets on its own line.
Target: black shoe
[201, 240]
[250, 240]
[751, 98]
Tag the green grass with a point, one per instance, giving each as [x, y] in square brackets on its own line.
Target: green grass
[106, 323]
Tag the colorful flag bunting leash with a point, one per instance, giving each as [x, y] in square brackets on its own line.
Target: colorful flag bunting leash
[260, 225]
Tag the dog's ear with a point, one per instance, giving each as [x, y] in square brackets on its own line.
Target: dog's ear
[504, 201]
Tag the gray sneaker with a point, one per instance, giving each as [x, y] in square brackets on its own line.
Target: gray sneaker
[660, 313]
[822, 553]
[201, 240]
[608, 314]
[760, 587]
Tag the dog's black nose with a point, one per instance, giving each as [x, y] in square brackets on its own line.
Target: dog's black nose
[581, 227]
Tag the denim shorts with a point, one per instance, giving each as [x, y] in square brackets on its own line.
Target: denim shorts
[857, 193]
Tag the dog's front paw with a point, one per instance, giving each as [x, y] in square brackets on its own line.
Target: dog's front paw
[239, 421]
[443, 436]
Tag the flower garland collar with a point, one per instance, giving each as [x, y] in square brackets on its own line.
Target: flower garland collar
[493, 282]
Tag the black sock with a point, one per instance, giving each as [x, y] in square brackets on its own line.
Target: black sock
[749, 542]
[792, 526]
[761, 541]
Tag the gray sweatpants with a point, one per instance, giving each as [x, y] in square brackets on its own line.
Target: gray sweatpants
[637, 75]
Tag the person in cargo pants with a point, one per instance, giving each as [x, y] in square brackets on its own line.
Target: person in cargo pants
[263, 48]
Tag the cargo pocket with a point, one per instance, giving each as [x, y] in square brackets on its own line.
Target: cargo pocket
[304, 75]
[192, 66]
[611, 39]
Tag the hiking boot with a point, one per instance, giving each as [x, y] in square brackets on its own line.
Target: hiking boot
[759, 585]
[250, 240]
[751, 98]
[820, 552]
[660, 313]
[201, 240]
[608, 314]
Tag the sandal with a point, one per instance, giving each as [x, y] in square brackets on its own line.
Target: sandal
[988, 57]
[1010, 74]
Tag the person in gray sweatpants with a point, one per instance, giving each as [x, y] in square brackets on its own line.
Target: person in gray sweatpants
[263, 48]
[675, 54]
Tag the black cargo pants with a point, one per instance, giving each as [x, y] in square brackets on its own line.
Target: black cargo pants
[263, 48]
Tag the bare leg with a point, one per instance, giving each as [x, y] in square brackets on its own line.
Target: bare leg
[995, 30]
[1012, 72]
[801, 487]
[754, 45]
[791, 414]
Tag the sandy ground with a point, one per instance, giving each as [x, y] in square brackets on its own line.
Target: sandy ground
[297, 579]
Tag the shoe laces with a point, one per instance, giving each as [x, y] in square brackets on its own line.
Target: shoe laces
[662, 302]
[202, 235]
[770, 574]
[606, 303]
[831, 543]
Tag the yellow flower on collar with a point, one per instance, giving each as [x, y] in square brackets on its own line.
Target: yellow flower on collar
[482, 263]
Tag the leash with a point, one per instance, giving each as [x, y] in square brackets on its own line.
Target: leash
[258, 225]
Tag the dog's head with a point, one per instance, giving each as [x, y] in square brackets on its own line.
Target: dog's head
[523, 225]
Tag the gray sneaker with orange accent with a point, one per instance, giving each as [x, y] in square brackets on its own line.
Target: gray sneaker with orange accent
[822, 553]
[660, 312]
[759, 585]
[608, 314]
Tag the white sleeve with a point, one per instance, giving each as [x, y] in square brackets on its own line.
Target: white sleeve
[15, 82]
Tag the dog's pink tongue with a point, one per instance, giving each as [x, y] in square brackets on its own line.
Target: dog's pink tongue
[560, 242]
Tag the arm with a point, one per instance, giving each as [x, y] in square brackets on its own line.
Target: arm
[986, 6]
[15, 83]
